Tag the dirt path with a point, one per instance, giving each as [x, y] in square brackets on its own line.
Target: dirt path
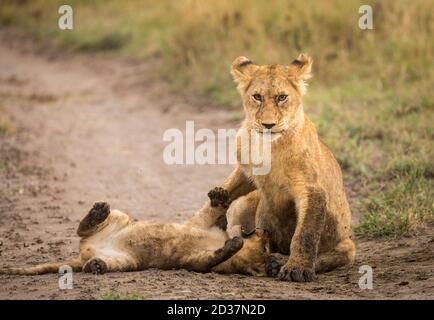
[90, 128]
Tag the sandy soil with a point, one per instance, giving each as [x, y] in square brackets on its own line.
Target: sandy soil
[90, 128]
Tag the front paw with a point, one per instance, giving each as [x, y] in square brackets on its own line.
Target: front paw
[298, 273]
[230, 247]
[273, 264]
[219, 197]
[233, 245]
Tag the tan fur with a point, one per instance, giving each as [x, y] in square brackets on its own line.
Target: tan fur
[301, 201]
[112, 241]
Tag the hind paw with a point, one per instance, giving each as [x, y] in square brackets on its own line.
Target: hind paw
[95, 266]
[219, 197]
[96, 215]
[273, 264]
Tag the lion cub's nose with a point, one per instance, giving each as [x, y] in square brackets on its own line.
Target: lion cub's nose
[268, 125]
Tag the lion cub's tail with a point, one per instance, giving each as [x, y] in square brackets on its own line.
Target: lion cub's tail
[76, 266]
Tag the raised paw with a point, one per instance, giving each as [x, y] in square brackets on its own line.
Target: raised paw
[273, 264]
[95, 266]
[96, 215]
[291, 272]
[219, 197]
[99, 211]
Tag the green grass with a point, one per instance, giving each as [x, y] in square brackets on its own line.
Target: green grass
[371, 96]
[102, 42]
[386, 154]
[399, 206]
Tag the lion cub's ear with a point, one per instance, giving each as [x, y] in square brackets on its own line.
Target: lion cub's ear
[300, 70]
[242, 69]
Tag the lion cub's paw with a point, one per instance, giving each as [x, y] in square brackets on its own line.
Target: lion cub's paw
[230, 247]
[291, 272]
[95, 266]
[234, 244]
[219, 197]
[273, 264]
[99, 212]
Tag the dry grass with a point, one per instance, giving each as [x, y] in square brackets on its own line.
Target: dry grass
[371, 97]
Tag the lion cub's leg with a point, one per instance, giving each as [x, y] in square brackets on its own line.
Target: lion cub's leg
[98, 214]
[105, 264]
[100, 248]
[213, 213]
[311, 213]
[204, 261]
[241, 214]
[251, 258]
[343, 254]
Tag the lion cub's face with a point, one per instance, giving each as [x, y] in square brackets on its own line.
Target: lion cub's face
[272, 94]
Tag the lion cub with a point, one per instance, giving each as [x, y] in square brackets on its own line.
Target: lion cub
[301, 201]
[112, 241]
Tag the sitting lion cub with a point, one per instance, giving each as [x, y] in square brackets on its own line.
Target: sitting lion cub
[301, 201]
[112, 241]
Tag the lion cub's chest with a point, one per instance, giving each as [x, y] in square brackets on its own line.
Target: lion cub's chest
[280, 186]
[273, 186]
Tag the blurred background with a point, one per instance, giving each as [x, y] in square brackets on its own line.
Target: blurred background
[371, 97]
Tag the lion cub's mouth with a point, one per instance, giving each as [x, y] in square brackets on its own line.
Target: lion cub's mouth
[269, 131]
[274, 134]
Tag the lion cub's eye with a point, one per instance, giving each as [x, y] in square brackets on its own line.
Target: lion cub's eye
[257, 97]
[282, 97]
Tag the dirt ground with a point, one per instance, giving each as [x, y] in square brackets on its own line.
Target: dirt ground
[90, 128]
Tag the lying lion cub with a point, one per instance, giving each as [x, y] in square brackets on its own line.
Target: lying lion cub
[112, 241]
